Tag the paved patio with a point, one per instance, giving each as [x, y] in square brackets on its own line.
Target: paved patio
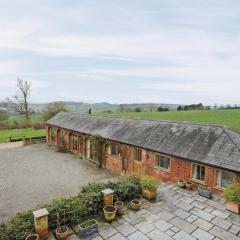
[179, 215]
[37, 174]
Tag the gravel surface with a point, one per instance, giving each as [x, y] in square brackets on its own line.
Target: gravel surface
[36, 174]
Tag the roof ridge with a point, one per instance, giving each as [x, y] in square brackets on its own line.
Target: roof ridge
[153, 120]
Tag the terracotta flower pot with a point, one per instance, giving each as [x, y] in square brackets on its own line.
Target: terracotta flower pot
[135, 204]
[119, 206]
[32, 237]
[181, 184]
[62, 232]
[232, 206]
[189, 185]
[149, 193]
[110, 213]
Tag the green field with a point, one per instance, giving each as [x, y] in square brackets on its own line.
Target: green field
[229, 118]
[21, 119]
[19, 133]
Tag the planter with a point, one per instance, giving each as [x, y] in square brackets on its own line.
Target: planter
[149, 193]
[110, 213]
[135, 205]
[189, 185]
[62, 232]
[232, 206]
[181, 184]
[32, 237]
[87, 228]
[119, 206]
[205, 193]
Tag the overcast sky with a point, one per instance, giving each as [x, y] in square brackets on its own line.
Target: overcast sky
[120, 51]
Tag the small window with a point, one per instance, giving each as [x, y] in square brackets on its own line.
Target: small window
[198, 172]
[115, 150]
[162, 161]
[138, 154]
[224, 178]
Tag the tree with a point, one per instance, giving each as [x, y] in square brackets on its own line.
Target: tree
[52, 109]
[19, 102]
[3, 115]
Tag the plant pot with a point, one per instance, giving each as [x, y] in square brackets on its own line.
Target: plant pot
[62, 232]
[181, 184]
[87, 228]
[32, 237]
[135, 204]
[205, 193]
[119, 206]
[110, 213]
[232, 206]
[189, 185]
[149, 193]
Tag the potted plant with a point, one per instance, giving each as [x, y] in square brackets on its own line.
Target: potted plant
[61, 231]
[109, 213]
[135, 204]
[205, 191]
[88, 227]
[119, 206]
[189, 185]
[32, 237]
[232, 196]
[149, 186]
[181, 184]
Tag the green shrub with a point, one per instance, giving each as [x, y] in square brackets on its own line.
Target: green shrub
[71, 210]
[149, 182]
[204, 187]
[232, 192]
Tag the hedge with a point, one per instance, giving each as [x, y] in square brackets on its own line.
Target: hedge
[89, 201]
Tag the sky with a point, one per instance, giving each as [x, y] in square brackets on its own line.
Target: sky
[122, 51]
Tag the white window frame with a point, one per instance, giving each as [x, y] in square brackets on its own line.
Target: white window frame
[165, 158]
[194, 174]
[219, 174]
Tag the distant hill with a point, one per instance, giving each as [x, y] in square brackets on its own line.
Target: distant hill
[105, 107]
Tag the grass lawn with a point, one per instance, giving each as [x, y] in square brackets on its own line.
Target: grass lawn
[229, 118]
[19, 133]
[20, 118]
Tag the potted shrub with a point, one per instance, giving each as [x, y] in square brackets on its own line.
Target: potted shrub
[189, 185]
[181, 184]
[119, 206]
[109, 213]
[32, 237]
[149, 186]
[88, 227]
[232, 196]
[205, 191]
[62, 232]
[135, 204]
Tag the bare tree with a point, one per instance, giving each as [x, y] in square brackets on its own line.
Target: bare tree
[19, 102]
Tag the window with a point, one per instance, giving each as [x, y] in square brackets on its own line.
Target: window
[162, 161]
[115, 150]
[138, 154]
[224, 178]
[51, 135]
[60, 137]
[74, 142]
[198, 172]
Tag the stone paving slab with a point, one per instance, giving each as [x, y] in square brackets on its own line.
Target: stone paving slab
[164, 220]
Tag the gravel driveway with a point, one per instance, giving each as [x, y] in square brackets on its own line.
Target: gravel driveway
[37, 174]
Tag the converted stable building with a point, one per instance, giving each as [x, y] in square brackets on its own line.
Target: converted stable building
[203, 154]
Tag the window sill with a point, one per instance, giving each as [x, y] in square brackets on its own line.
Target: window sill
[199, 181]
[219, 188]
[162, 169]
[114, 156]
[137, 161]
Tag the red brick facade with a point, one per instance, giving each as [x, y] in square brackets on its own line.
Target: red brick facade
[178, 169]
